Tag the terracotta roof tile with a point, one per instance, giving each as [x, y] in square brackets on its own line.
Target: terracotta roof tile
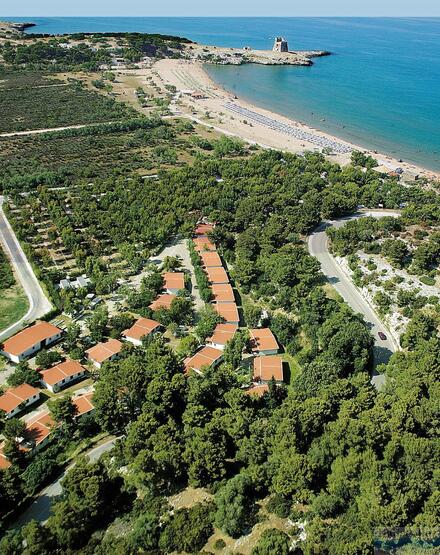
[4, 463]
[103, 351]
[83, 403]
[39, 427]
[223, 293]
[57, 373]
[141, 328]
[14, 397]
[162, 301]
[223, 333]
[203, 244]
[262, 339]
[211, 259]
[258, 390]
[267, 367]
[228, 311]
[217, 275]
[174, 280]
[205, 357]
[29, 337]
[203, 229]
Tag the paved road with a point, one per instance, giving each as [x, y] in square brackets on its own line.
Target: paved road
[38, 302]
[40, 508]
[318, 247]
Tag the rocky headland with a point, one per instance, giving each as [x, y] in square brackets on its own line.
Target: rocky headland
[239, 56]
[13, 29]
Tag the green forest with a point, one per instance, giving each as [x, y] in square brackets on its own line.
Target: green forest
[329, 449]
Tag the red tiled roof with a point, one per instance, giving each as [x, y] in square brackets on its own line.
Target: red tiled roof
[223, 293]
[162, 301]
[223, 333]
[228, 311]
[203, 229]
[211, 259]
[39, 427]
[267, 367]
[205, 357]
[29, 337]
[258, 390]
[203, 244]
[174, 280]
[141, 328]
[83, 404]
[262, 339]
[4, 463]
[217, 275]
[60, 371]
[103, 351]
[13, 398]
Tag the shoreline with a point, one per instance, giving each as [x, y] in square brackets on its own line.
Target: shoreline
[277, 131]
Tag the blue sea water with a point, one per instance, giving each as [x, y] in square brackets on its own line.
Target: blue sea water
[380, 88]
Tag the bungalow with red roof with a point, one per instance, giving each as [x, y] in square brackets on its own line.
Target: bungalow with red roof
[83, 404]
[206, 357]
[38, 430]
[217, 276]
[266, 368]
[174, 282]
[141, 328]
[202, 229]
[222, 293]
[29, 341]
[162, 301]
[104, 352]
[61, 375]
[222, 334]
[203, 244]
[211, 259]
[258, 390]
[263, 342]
[229, 312]
[4, 462]
[16, 399]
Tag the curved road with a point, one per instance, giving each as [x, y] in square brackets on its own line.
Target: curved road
[40, 508]
[318, 247]
[39, 304]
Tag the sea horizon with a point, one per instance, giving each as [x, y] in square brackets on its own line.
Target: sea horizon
[377, 89]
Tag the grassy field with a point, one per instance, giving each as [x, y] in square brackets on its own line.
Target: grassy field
[294, 367]
[50, 107]
[13, 305]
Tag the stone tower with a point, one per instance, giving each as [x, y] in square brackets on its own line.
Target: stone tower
[280, 45]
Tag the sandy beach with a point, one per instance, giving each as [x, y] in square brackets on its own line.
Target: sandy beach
[220, 109]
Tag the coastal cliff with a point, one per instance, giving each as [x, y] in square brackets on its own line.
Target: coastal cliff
[13, 29]
[239, 56]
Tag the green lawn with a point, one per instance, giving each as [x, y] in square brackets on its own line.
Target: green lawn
[13, 305]
[294, 367]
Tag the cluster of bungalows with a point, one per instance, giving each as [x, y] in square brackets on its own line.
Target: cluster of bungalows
[28, 343]
[267, 365]
[173, 283]
[223, 301]
[39, 426]
[109, 350]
